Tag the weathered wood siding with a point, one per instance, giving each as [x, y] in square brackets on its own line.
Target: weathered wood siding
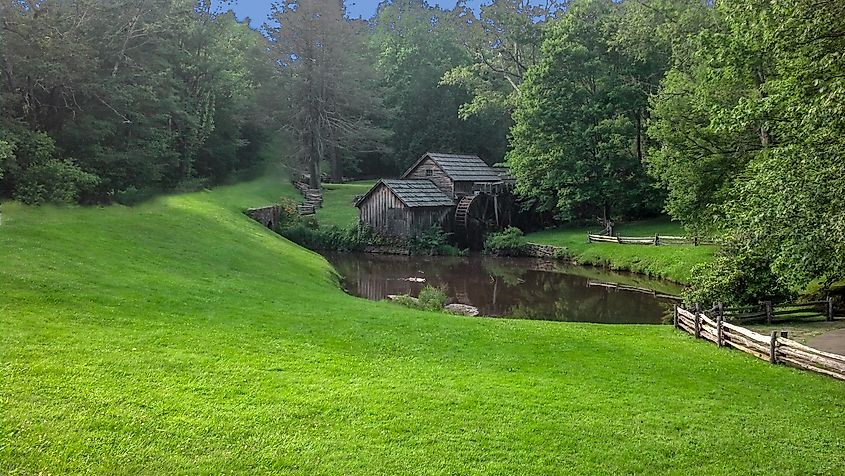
[437, 176]
[383, 211]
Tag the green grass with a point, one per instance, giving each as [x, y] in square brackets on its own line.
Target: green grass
[338, 202]
[181, 337]
[669, 262]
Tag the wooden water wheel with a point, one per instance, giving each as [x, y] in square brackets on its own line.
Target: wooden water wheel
[475, 215]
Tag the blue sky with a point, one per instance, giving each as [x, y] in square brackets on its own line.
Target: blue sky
[258, 10]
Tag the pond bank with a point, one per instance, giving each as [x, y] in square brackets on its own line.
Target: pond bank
[674, 263]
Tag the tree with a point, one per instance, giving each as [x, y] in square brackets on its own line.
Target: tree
[415, 46]
[332, 97]
[135, 93]
[767, 99]
[573, 144]
[504, 43]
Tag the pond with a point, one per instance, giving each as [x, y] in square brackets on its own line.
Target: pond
[511, 287]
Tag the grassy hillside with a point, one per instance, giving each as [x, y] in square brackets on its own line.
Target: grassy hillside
[180, 337]
[670, 262]
[338, 202]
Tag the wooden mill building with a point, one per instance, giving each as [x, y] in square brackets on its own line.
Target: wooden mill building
[461, 193]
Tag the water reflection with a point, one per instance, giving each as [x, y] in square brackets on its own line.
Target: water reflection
[512, 287]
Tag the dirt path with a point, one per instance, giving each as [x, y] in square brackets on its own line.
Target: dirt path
[833, 341]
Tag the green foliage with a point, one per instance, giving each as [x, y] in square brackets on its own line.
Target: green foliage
[752, 135]
[575, 143]
[54, 181]
[415, 45]
[145, 96]
[736, 278]
[433, 298]
[508, 242]
[433, 241]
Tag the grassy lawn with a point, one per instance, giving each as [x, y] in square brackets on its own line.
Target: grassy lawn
[669, 262]
[338, 202]
[181, 337]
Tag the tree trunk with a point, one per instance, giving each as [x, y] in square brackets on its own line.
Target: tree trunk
[337, 165]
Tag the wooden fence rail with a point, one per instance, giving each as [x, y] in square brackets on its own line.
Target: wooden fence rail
[636, 289]
[773, 313]
[649, 240]
[776, 348]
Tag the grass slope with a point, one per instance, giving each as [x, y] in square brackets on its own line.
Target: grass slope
[338, 202]
[669, 262]
[180, 337]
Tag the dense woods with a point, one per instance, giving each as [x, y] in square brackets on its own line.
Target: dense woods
[726, 115]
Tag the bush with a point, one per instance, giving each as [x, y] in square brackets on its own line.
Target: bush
[508, 242]
[433, 298]
[54, 181]
[736, 277]
[307, 232]
[433, 241]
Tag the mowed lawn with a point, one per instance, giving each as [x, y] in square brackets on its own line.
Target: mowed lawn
[181, 337]
[673, 262]
[339, 202]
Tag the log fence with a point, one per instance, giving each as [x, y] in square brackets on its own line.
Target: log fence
[776, 348]
[769, 313]
[655, 240]
[636, 289]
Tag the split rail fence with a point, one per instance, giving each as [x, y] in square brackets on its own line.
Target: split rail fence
[649, 240]
[776, 347]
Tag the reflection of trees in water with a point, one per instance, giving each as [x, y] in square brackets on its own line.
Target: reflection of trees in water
[515, 288]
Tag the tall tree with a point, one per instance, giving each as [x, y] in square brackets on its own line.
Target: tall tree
[574, 140]
[130, 94]
[333, 95]
[415, 45]
[503, 41]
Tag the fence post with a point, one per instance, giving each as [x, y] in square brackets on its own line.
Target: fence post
[773, 357]
[695, 241]
[719, 339]
[656, 239]
[768, 312]
[675, 316]
[829, 308]
[697, 322]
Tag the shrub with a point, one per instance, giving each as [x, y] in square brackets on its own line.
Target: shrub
[736, 277]
[433, 241]
[508, 242]
[433, 298]
[54, 181]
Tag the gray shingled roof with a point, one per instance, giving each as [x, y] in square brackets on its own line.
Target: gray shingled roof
[468, 168]
[415, 193]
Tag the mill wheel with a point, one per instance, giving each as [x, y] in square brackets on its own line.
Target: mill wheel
[475, 215]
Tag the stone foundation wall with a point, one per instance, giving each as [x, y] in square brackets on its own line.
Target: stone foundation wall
[267, 215]
[535, 250]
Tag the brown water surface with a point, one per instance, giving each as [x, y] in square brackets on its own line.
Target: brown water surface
[509, 287]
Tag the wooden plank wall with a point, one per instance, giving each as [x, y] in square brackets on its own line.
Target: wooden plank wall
[374, 211]
[440, 179]
[383, 211]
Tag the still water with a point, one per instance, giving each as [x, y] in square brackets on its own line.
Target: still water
[512, 287]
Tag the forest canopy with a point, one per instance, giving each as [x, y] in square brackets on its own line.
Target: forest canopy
[726, 115]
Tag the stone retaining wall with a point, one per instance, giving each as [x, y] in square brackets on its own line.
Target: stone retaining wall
[267, 215]
[534, 250]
